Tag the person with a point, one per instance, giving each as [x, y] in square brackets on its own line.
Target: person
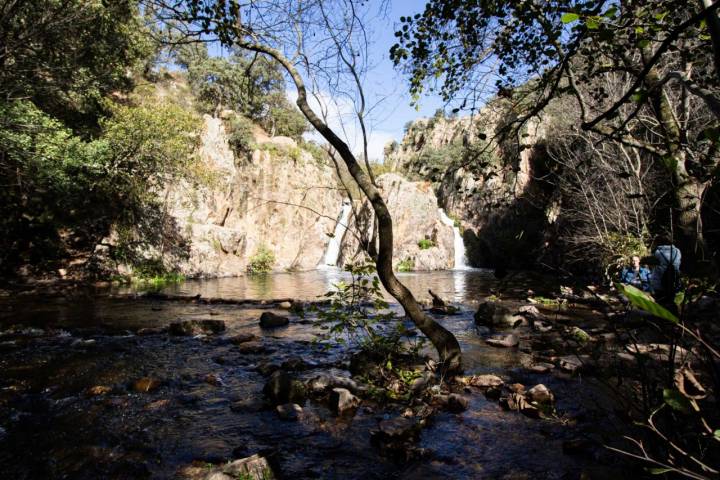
[663, 280]
[636, 275]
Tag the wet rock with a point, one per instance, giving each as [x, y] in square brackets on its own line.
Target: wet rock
[251, 468]
[273, 320]
[540, 394]
[152, 330]
[157, 405]
[486, 381]
[324, 382]
[285, 305]
[508, 340]
[541, 367]
[516, 387]
[493, 314]
[342, 402]
[580, 335]
[493, 393]
[98, 390]
[214, 379]
[453, 402]
[146, 385]
[570, 363]
[242, 338]
[197, 327]
[530, 311]
[289, 411]
[281, 388]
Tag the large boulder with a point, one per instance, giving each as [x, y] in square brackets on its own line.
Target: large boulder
[272, 320]
[494, 314]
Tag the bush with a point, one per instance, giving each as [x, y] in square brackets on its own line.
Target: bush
[426, 244]
[262, 261]
[406, 265]
[240, 135]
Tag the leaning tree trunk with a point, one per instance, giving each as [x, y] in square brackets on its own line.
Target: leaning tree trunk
[444, 341]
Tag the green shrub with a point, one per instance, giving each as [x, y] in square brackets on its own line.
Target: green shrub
[262, 261]
[240, 134]
[406, 265]
[425, 244]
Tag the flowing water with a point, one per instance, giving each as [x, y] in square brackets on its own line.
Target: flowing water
[458, 243]
[333, 249]
[52, 349]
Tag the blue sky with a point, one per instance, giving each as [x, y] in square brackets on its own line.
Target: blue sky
[383, 81]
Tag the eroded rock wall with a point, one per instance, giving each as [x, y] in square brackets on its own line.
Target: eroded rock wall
[414, 210]
[280, 198]
[491, 188]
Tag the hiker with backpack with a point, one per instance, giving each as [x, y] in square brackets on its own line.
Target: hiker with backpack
[636, 275]
[666, 275]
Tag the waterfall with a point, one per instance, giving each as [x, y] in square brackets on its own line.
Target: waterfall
[333, 249]
[458, 244]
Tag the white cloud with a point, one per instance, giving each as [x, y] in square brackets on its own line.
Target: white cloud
[342, 119]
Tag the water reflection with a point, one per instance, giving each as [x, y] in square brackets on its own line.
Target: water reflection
[456, 285]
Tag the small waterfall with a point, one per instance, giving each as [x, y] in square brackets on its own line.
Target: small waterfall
[458, 244]
[333, 249]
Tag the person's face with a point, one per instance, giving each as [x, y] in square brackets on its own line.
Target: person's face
[636, 262]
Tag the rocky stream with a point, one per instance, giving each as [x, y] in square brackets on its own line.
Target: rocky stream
[121, 384]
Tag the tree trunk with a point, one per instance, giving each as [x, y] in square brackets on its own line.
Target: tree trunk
[443, 340]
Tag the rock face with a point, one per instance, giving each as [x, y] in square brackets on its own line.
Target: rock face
[414, 210]
[503, 212]
[279, 198]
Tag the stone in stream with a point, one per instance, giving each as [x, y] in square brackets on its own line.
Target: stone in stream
[541, 367]
[493, 314]
[281, 388]
[394, 434]
[152, 330]
[571, 363]
[289, 411]
[540, 394]
[197, 327]
[285, 305]
[146, 384]
[273, 320]
[98, 390]
[250, 468]
[342, 402]
[504, 340]
[214, 379]
[242, 338]
[324, 382]
[453, 402]
[485, 381]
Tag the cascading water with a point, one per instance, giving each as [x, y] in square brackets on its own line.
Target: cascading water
[333, 249]
[458, 244]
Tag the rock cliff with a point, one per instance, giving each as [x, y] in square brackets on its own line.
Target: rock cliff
[421, 240]
[278, 199]
[490, 188]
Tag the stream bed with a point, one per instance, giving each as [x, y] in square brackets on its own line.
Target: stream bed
[84, 396]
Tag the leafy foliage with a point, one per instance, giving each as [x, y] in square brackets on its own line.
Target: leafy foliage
[425, 244]
[262, 261]
[406, 265]
[645, 302]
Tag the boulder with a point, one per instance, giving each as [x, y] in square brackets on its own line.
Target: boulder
[251, 348]
[486, 381]
[493, 314]
[343, 402]
[250, 468]
[273, 320]
[503, 340]
[540, 394]
[324, 382]
[242, 338]
[570, 363]
[289, 411]
[197, 327]
[281, 388]
[541, 367]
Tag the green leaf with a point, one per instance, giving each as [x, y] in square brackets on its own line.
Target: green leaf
[592, 23]
[569, 17]
[645, 302]
[677, 401]
[659, 471]
[679, 298]
[717, 434]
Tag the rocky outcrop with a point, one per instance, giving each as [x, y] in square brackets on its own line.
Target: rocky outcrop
[486, 185]
[279, 199]
[421, 240]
